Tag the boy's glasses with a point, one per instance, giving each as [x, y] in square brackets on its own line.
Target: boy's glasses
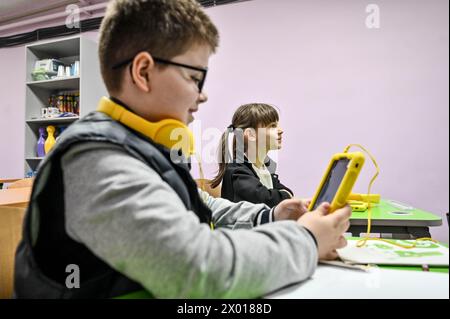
[200, 81]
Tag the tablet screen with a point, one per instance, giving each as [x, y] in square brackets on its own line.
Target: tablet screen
[332, 182]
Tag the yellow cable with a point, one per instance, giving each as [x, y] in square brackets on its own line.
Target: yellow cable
[362, 242]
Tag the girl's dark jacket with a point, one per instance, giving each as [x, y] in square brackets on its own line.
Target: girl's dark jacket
[240, 182]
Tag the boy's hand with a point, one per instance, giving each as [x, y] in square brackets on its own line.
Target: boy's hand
[328, 228]
[307, 201]
[292, 208]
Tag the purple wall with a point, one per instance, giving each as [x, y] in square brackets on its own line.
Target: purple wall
[12, 112]
[335, 81]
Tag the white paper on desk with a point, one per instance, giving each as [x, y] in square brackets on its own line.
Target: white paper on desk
[383, 253]
[341, 283]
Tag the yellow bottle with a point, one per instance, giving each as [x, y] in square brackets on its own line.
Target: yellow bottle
[50, 141]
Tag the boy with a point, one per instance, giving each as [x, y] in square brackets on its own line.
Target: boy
[109, 201]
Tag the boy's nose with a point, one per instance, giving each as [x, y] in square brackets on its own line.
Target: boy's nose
[202, 97]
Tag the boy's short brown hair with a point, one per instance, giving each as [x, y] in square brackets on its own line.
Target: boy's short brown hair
[165, 28]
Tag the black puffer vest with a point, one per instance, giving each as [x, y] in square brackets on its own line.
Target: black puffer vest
[46, 249]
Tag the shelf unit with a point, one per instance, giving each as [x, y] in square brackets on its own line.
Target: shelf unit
[88, 83]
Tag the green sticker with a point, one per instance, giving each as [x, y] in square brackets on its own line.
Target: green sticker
[383, 246]
[419, 244]
[407, 254]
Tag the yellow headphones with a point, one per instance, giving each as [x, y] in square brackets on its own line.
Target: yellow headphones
[160, 132]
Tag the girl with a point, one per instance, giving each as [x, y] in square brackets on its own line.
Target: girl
[250, 174]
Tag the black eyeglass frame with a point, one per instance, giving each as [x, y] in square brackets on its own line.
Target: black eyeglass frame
[163, 61]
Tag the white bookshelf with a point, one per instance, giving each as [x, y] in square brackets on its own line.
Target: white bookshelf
[89, 83]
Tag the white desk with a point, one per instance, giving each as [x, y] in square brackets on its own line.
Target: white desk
[329, 282]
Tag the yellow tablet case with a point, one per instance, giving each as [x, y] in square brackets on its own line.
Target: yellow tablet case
[355, 163]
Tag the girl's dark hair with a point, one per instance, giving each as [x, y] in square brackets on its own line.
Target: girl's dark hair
[252, 115]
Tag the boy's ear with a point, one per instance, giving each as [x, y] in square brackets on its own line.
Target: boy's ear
[250, 134]
[141, 69]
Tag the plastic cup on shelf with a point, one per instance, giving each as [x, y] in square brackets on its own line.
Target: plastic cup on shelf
[76, 68]
[60, 71]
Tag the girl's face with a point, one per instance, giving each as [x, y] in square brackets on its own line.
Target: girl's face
[273, 134]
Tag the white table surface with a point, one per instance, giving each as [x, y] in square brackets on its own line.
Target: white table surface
[331, 282]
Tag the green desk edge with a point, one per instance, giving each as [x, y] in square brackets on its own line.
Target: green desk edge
[141, 294]
[385, 210]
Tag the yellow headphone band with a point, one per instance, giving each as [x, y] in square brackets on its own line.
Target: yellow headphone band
[168, 132]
